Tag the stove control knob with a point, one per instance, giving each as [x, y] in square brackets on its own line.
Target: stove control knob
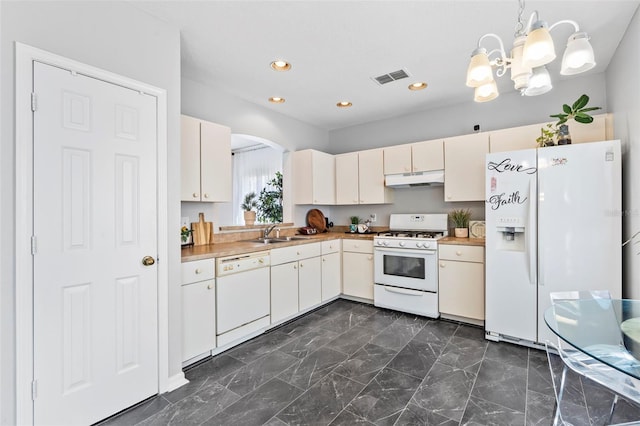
[401, 243]
[419, 244]
[386, 243]
[427, 245]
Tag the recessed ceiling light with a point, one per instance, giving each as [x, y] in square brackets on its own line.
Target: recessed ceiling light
[280, 65]
[276, 100]
[344, 104]
[418, 86]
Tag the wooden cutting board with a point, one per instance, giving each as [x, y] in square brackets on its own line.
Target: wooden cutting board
[315, 219]
[201, 231]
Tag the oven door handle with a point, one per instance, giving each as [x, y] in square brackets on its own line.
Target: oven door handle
[407, 251]
[404, 291]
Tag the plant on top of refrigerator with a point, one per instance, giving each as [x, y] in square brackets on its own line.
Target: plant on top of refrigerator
[576, 111]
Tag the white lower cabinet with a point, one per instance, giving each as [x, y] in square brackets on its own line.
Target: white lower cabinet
[309, 283]
[295, 280]
[461, 281]
[357, 268]
[331, 269]
[284, 291]
[198, 308]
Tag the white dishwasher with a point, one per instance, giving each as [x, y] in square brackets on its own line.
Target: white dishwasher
[243, 296]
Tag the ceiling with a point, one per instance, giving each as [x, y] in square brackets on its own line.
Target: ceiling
[335, 47]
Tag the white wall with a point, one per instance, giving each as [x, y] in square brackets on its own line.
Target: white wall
[623, 97]
[508, 110]
[113, 36]
[212, 103]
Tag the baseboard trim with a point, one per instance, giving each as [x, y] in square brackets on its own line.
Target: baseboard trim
[175, 381]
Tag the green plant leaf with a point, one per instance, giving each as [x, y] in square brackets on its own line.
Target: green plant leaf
[562, 121]
[583, 119]
[581, 102]
[567, 109]
[559, 116]
[590, 109]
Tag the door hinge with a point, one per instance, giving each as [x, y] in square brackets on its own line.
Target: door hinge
[34, 390]
[34, 102]
[34, 244]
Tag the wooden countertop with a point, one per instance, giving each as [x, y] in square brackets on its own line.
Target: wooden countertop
[209, 251]
[462, 241]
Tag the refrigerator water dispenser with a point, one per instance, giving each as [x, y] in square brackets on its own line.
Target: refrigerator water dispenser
[512, 235]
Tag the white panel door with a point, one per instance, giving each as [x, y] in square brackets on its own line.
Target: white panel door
[95, 303]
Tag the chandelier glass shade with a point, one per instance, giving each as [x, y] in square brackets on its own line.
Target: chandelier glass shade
[533, 48]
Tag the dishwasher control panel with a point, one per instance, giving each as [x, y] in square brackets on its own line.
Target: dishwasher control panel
[244, 262]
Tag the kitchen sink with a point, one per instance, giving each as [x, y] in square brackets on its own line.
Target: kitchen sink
[267, 240]
[291, 238]
[277, 240]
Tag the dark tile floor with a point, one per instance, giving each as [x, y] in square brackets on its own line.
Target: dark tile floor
[348, 363]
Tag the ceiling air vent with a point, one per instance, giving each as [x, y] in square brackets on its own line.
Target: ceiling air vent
[392, 76]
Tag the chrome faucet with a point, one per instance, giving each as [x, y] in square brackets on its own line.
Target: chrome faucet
[268, 230]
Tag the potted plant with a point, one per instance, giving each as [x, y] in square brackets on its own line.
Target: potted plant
[355, 220]
[577, 111]
[460, 219]
[250, 202]
[270, 201]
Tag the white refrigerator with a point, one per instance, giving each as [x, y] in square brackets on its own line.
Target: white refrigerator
[553, 223]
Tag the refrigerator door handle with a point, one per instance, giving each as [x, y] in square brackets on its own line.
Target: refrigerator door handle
[532, 233]
[540, 190]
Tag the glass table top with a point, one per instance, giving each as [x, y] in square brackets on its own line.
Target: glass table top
[605, 329]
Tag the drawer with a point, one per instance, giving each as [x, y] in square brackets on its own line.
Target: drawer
[461, 253]
[293, 253]
[357, 246]
[198, 270]
[410, 301]
[331, 246]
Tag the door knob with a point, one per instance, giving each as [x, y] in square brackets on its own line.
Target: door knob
[148, 261]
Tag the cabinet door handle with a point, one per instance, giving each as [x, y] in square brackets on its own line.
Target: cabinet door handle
[458, 253]
[195, 195]
[210, 286]
[295, 266]
[206, 195]
[301, 265]
[442, 265]
[198, 271]
[369, 257]
[324, 260]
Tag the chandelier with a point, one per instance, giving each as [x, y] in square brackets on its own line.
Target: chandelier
[532, 49]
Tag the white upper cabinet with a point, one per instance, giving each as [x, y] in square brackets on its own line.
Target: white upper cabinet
[205, 161]
[524, 137]
[515, 138]
[428, 155]
[347, 181]
[397, 159]
[360, 178]
[314, 177]
[464, 164]
[412, 158]
[371, 178]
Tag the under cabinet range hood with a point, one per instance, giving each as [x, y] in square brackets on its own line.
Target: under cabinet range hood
[406, 180]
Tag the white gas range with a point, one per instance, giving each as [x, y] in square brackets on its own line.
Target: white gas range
[406, 263]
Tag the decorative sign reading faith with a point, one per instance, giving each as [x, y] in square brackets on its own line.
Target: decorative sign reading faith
[500, 200]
